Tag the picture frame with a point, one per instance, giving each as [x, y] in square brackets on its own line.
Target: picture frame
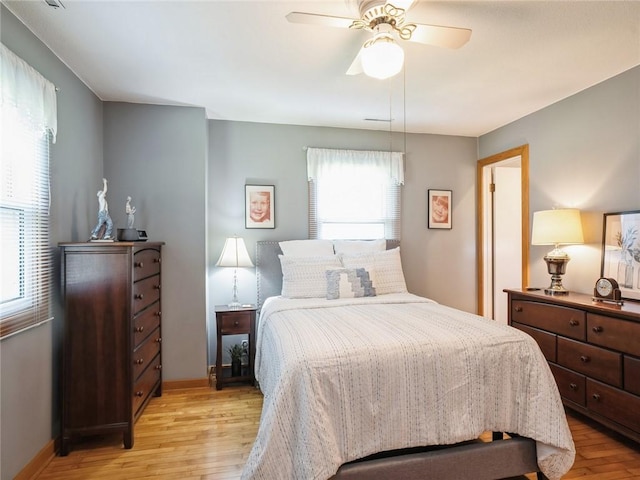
[621, 251]
[439, 209]
[259, 201]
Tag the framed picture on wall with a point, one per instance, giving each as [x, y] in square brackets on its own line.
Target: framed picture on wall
[439, 209]
[621, 251]
[259, 206]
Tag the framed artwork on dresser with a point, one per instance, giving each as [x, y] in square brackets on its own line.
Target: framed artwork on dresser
[621, 251]
[259, 206]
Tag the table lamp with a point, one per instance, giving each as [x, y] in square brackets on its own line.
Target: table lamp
[234, 254]
[557, 227]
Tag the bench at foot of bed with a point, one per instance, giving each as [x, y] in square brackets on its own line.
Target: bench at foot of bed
[475, 460]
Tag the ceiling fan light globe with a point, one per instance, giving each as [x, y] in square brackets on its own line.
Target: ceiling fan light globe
[382, 59]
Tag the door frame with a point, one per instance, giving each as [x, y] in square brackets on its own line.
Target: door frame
[481, 213]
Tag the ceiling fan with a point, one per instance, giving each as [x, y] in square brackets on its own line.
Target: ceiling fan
[381, 56]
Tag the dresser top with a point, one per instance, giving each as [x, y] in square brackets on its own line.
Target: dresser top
[109, 244]
[630, 309]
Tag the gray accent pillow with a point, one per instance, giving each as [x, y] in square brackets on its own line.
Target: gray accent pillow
[349, 283]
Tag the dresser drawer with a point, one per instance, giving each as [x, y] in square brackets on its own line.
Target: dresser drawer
[546, 340]
[593, 361]
[632, 375]
[145, 353]
[146, 385]
[619, 406]
[614, 333]
[145, 292]
[233, 323]
[571, 385]
[143, 324]
[146, 263]
[569, 322]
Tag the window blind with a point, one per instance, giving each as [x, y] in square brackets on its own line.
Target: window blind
[354, 194]
[28, 112]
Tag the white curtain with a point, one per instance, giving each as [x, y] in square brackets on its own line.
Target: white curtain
[25, 89]
[324, 162]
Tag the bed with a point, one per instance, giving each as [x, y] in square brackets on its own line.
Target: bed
[394, 385]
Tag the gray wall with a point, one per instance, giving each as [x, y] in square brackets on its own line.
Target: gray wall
[158, 156]
[245, 153]
[30, 361]
[584, 153]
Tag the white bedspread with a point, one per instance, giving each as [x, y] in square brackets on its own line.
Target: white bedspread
[343, 379]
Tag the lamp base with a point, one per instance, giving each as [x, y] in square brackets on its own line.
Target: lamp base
[556, 266]
[234, 305]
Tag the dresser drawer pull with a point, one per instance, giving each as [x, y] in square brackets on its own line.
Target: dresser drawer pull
[236, 323]
[518, 308]
[159, 340]
[597, 329]
[140, 361]
[156, 287]
[596, 396]
[138, 264]
[574, 323]
[158, 314]
[138, 296]
[573, 386]
[157, 260]
[158, 367]
[584, 359]
[139, 329]
[139, 393]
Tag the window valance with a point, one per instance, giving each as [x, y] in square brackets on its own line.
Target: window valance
[323, 161]
[25, 89]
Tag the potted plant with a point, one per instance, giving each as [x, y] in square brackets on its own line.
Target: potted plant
[236, 352]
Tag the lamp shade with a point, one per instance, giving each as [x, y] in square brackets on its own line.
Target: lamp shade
[234, 254]
[562, 226]
[382, 57]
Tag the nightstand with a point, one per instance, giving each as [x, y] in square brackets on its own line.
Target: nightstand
[235, 321]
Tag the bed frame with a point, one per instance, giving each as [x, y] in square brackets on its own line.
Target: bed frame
[475, 460]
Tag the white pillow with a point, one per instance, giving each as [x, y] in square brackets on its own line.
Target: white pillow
[307, 248]
[305, 277]
[385, 269]
[349, 283]
[359, 246]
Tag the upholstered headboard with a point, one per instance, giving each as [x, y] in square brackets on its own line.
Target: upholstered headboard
[269, 271]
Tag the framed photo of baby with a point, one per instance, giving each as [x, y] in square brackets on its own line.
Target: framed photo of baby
[439, 209]
[259, 206]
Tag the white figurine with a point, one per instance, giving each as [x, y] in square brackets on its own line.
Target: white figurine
[129, 210]
[103, 215]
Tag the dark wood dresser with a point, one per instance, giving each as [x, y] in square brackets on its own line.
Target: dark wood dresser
[112, 334]
[593, 350]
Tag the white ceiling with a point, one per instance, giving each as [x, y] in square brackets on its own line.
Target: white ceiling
[242, 60]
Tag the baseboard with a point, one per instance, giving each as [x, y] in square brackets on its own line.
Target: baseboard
[181, 384]
[37, 464]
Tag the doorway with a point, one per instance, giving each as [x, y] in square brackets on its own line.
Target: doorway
[503, 229]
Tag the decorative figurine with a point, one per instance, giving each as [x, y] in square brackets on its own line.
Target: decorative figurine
[103, 216]
[129, 210]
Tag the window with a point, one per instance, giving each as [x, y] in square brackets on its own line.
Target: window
[28, 122]
[354, 194]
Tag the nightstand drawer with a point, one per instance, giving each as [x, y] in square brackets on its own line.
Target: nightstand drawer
[614, 333]
[232, 323]
[569, 322]
[571, 385]
[594, 362]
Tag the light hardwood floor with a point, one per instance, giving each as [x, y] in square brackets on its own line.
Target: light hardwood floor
[201, 433]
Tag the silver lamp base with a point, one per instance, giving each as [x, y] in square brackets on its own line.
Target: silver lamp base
[556, 266]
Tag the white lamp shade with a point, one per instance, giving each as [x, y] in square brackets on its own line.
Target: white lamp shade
[562, 226]
[382, 58]
[234, 254]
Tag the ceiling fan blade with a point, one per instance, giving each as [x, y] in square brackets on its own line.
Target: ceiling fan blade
[316, 19]
[447, 37]
[356, 65]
